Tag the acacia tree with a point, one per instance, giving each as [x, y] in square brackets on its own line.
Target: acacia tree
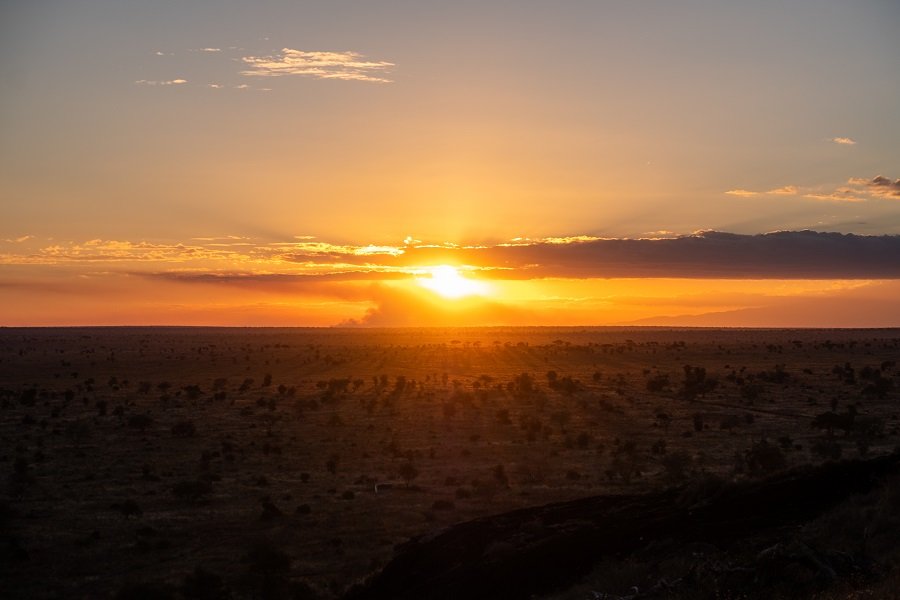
[408, 472]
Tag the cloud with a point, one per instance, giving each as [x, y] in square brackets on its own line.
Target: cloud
[304, 250]
[712, 255]
[880, 186]
[838, 195]
[845, 141]
[97, 250]
[20, 239]
[704, 255]
[163, 82]
[350, 66]
[269, 280]
[787, 190]
[857, 189]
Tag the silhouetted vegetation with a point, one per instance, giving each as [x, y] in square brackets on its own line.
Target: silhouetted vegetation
[335, 446]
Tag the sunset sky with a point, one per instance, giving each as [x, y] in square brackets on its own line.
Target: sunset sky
[450, 163]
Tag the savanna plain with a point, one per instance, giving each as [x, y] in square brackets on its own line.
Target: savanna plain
[291, 463]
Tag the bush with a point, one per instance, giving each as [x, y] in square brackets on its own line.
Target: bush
[184, 429]
[763, 458]
[192, 491]
[203, 585]
[146, 591]
[676, 466]
[658, 383]
[408, 472]
[128, 508]
[264, 558]
[826, 449]
[141, 422]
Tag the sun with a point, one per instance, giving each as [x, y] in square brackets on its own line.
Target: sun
[448, 282]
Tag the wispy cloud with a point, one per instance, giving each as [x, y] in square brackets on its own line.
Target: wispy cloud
[20, 239]
[349, 66]
[857, 189]
[879, 186]
[706, 255]
[97, 250]
[160, 82]
[842, 194]
[845, 141]
[787, 190]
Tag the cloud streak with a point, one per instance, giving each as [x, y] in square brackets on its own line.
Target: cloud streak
[705, 255]
[787, 190]
[347, 66]
[857, 189]
[160, 82]
[879, 186]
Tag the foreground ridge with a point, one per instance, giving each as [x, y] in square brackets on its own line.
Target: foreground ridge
[537, 550]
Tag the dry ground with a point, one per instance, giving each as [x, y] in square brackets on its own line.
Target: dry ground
[132, 455]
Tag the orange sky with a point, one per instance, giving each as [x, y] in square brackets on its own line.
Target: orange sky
[819, 280]
[225, 162]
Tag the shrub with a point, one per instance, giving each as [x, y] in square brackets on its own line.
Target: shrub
[408, 472]
[265, 559]
[658, 383]
[146, 591]
[140, 422]
[763, 458]
[826, 449]
[270, 512]
[203, 585]
[184, 429]
[128, 508]
[676, 466]
[192, 491]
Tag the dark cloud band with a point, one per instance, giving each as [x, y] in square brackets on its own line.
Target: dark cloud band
[781, 255]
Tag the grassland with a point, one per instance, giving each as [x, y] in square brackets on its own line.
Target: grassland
[291, 462]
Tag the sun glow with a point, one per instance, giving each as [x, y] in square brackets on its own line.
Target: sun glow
[448, 282]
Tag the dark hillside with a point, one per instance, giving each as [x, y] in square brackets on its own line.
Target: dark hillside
[536, 550]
